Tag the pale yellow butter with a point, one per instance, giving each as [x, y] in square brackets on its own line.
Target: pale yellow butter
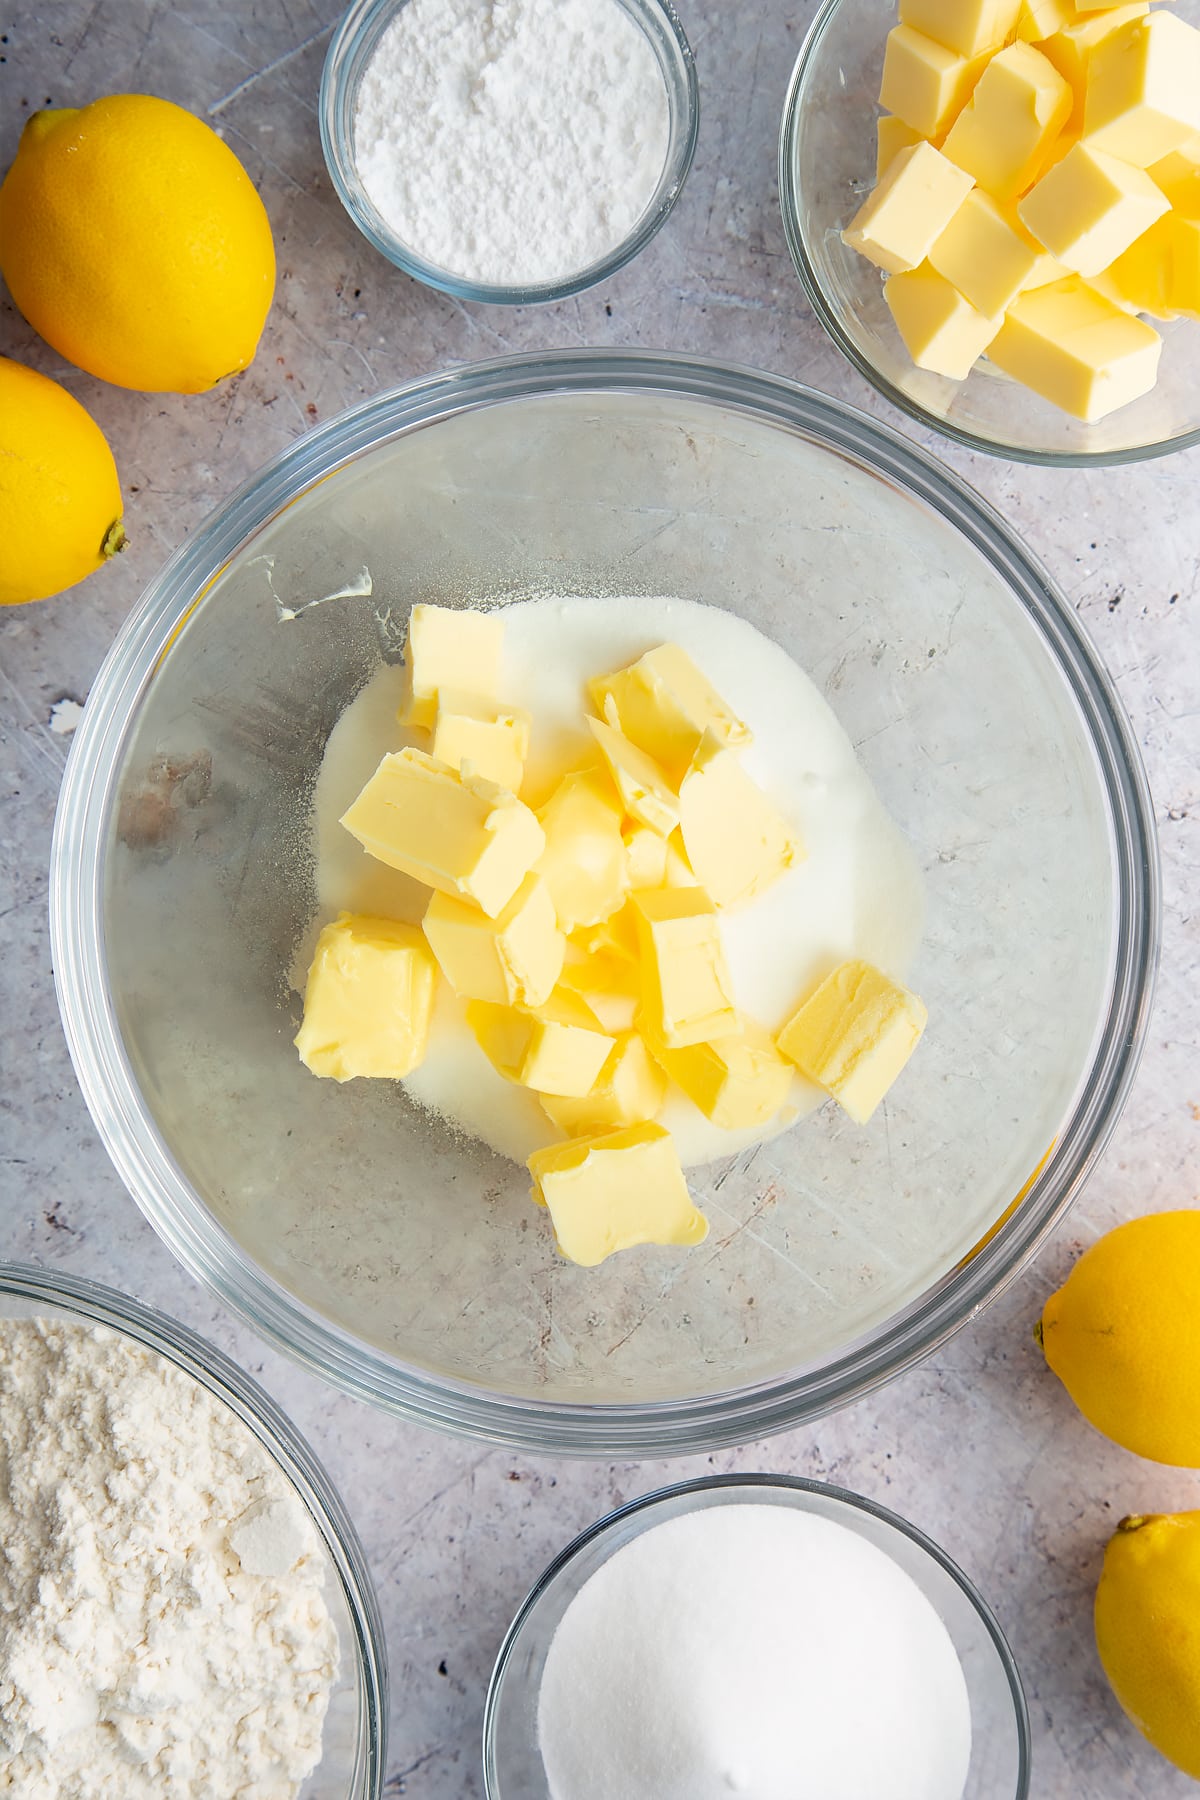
[942, 331]
[1040, 19]
[645, 856]
[1179, 178]
[688, 990]
[918, 195]
[984, 255]
[966, 26]
[854, 1035]
[449, 646]
[368, 1001]
[614, 1191]
[1091, 207]
[1006, 131]
[584, 864]
[736, 840]
[479, 737]
[645, 792]
[516, 957]
[1143, 91]
[556, 1048]
[628, 1091]
[923, 83]
[1160, 273]
[605, 976]
[737, 1081]
[1071, 47]
[1077, 349]
[891, 136]
[664, 704]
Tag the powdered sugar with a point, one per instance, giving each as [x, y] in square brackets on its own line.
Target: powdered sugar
[162, 1626]
[512, 141]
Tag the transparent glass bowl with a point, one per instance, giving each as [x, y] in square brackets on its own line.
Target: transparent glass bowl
[1000, 1750]
[826, 170]
[353, 1759]
[408, 1264]
[350, 50]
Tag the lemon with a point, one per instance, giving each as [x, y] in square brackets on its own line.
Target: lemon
[1148, 1630]
[134, 241]
[1123, 1335]
[60, 500]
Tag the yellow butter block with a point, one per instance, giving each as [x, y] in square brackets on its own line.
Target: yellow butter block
[854, 1035]
[923, 83]
[1091, 207]
[478, 737]
[678, 871]
[515, 958]
[911, 206]
[984, 255]
[1004, 134]
[687, 985]
[736, 840]
[1160, 273]
[891, 136]
[942, 331]
[664, 704]
[461, 835]
[606, 978]
[736, 1081]
[368, 1000]
[966, 26]
[584, 863]
[645, 856]
[1040, 19]
[1179, 178]
[629, 1091]
[557, 1048]
[1071, 47]
[1077, 349]
[449, 646]
[645, 792]
[1143, 91]
[614, 1191]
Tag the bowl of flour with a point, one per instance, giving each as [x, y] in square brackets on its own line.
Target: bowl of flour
[511, 151]
[184, 1605]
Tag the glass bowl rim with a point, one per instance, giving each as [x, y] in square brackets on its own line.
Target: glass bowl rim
[205, 1364]
[752, 1483]
[364, 22]
[790, 183]
[140, 1154]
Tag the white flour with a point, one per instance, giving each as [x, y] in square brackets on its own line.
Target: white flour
[162, 1627]
[512, 141]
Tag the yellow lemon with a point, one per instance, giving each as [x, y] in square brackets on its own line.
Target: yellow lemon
[1148, 1630]
[1123, 1335]
[134, 241]
[60, 500]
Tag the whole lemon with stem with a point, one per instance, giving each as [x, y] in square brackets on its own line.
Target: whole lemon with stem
[1123, 1335]
[60, 499]
[1148, 1630]
[133, 240]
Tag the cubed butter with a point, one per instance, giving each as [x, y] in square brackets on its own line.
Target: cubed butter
[611, 1192]
[687, 985]
[1179, 178]
[984, 256]
[1040, 19]
[736, 840]
[913, 203]
[606, 978]
[942, 331]
[737, 1081]
[1160, 273]
[479, 737]
[1071, 47]
[967, 26]
[1005, 133]
[449, 646]
[664, 704]
[645, 856]
[925, 84]
[368, 1000]
[854, 1035]
[628, 1091]
[584, 862]
[461, 835]
[1143, 91]
[1090, 207]
[645, 792]
[1077, 349]
[891, 136]
[515, 958]
[557, 1048]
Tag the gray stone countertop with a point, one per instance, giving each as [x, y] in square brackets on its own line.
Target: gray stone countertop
[979, 1446]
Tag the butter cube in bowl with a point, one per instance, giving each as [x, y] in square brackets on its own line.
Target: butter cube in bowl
[1077, 128]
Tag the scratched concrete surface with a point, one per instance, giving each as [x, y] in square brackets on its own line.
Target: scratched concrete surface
[979, 1446]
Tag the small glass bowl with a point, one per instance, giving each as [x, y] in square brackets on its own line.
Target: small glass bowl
[351, 49]
[353, 1755]
[1000, 1747]
[826, 170]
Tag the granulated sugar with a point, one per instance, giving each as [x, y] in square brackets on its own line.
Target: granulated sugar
[512, 141]
[752, 1650]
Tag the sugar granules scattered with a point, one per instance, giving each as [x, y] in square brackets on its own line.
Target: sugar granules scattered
[758, 1651]
[512, 141]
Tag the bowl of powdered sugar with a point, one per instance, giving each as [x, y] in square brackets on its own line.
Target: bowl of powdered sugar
[184, 1606]
[509, 150]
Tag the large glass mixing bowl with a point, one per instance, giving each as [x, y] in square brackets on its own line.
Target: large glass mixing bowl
[407, 1264]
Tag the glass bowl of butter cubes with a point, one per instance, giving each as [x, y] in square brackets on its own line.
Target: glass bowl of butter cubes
[604, 903]
[994, 207]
